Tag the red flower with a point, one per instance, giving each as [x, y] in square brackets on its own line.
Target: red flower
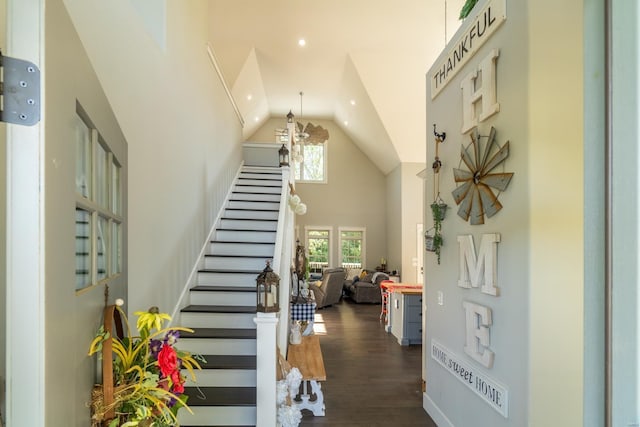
[167, 360]
[178, 383]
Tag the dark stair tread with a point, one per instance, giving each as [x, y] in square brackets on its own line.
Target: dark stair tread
[252, 210]
[228, 333]
[222, 361]
[257, 201]
[210, 288]
[221, 396]
[248, 219]
[195, 308]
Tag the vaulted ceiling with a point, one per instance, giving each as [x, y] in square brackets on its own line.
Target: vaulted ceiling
[363, 65]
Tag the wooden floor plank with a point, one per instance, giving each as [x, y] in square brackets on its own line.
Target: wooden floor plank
[371, 380]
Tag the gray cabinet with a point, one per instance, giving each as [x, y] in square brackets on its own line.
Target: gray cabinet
[406, 316]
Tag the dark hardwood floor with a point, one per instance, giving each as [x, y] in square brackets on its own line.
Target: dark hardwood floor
[372, 381]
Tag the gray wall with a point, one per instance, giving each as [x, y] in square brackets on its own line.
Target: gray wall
[537, 319]
[354, 195]
[394, 220]
[184, 136]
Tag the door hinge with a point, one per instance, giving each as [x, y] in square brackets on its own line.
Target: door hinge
[20, 91]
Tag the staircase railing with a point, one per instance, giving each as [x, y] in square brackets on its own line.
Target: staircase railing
[272, 328]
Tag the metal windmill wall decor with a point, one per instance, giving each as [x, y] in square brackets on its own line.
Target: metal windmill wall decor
[475, 191]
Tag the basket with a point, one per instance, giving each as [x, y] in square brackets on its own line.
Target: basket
[429, 243]
[103, 395]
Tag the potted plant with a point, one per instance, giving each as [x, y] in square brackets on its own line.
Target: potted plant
[147, 380]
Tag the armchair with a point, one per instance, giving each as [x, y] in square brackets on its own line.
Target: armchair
[330, 290]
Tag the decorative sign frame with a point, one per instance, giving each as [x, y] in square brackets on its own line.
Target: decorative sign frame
[490, 390]
[475, 35]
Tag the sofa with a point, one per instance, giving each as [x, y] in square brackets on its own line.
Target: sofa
[366, 287]
[328, 290]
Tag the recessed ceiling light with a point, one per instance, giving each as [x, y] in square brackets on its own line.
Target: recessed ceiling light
[249, 97]
[257, 119]
[302, 42]
[346, 123]
[353, 102]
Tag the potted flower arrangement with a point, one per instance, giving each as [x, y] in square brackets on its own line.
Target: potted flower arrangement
[147, 380]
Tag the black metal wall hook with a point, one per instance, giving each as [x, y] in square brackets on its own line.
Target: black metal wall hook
[440, 137]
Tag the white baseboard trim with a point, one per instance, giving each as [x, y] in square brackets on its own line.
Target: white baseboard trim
[191, 280]
[434, 412]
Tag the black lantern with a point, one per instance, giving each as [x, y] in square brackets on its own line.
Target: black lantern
[268, 291]
[290, 117]
[284, 156]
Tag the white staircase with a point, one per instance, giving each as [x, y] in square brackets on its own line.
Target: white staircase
[223, 303]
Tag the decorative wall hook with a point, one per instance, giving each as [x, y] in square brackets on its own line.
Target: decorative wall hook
[440, 137]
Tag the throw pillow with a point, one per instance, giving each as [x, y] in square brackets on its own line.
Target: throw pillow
[318, 283]
[367, 277]
[363, 274]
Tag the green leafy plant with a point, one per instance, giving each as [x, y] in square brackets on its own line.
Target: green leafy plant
[438, 211]
[148, 382]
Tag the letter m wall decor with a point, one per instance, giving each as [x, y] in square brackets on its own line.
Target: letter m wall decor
[481, 270]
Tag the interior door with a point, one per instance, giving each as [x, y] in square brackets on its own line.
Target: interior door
[41, 228]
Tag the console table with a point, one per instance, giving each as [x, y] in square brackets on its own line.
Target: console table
[307, 357]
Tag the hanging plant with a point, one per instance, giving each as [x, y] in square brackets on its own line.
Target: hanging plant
[438, 210]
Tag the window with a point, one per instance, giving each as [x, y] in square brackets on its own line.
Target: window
[313, 167]
[98, 208]
[318, 242]
[352, 245]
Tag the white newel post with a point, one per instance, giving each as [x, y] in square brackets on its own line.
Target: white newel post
[266, 363]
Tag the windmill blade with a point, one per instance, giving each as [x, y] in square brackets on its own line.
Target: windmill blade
[498, 158]
[490, 202]
[461, 192]
[461, 175]
[465, 206]
[477, 210]
[489, 145]
[466, 158]
[499, 181]
[475, 139]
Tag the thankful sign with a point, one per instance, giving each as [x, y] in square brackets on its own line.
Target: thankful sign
[483, 26]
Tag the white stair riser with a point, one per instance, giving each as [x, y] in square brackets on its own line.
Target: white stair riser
[222, 378]
[239, 195]
[228, 279]
[231, 213]
[245, 236]
[222, 346]
[258, 189]
[233, 263]
[222, 298]
[218, 320]
[256, 175]
[263, 250]
[236, 224]
[260, 181]
[219, 415]
[234, 204]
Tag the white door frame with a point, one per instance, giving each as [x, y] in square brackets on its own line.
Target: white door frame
[25, 330]
[420, 253]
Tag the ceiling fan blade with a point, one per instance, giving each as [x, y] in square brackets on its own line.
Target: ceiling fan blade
[460, 192]
[499, 181]
[490, 202]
